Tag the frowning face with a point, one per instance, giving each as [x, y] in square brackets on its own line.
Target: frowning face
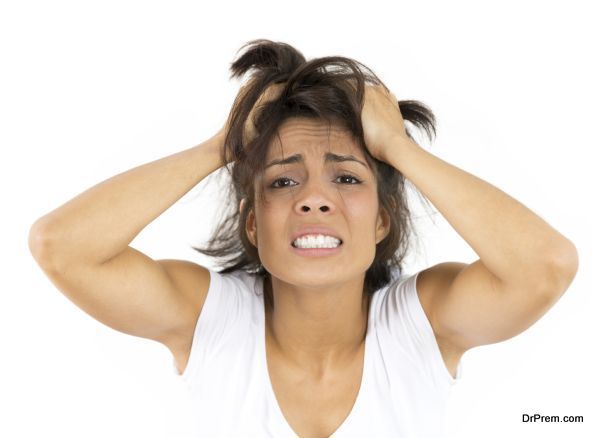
[318, 176]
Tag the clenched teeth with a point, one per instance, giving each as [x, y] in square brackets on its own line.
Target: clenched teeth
[317, 241]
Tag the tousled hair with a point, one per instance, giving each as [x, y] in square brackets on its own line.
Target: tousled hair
[329, 89]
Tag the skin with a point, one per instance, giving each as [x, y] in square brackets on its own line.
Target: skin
[525, 265]
[319, 316]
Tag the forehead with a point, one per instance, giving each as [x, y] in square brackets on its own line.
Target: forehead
[311, 136]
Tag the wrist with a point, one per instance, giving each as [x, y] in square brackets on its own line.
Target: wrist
[397, 144]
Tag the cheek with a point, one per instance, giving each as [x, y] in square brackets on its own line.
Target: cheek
[362, 217]
[362, 206]
[270, 221]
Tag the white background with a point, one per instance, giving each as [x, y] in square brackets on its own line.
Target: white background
[91, 89]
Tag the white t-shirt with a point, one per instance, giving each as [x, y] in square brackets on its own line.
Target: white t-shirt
[405, 383]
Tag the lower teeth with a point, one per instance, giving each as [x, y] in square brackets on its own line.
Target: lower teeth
[316, 247]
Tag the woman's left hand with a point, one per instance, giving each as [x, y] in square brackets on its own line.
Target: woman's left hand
[382, 122]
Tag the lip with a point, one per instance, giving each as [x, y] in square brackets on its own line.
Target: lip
[303, 231]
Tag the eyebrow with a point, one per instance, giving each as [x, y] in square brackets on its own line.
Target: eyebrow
[298, 158]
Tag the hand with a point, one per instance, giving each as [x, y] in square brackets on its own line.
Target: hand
[382, 122]
[272, 92]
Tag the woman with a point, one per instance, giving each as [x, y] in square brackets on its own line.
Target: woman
[310, 328]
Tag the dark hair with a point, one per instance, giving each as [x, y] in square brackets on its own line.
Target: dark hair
[330, 89]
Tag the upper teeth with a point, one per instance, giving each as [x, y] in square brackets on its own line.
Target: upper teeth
[317, 241]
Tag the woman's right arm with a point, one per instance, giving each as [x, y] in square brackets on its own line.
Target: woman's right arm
[83, 247]
[99, 223]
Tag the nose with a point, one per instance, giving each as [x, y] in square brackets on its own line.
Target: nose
[313, 199]
[306, 208]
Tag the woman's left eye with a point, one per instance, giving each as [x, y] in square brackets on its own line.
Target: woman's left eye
[350, 176]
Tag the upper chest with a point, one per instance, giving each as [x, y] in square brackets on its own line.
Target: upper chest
[315, 408]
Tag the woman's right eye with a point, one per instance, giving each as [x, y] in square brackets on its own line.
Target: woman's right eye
[275, 186]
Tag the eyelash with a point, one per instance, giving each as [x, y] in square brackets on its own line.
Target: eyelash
[289, 179]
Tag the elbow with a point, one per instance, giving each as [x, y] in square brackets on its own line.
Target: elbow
[38, 241]
[566, 259]
[563, 266]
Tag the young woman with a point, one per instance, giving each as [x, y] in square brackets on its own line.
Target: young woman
[311, 328]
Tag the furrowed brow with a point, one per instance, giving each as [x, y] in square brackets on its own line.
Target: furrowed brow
[329, 157]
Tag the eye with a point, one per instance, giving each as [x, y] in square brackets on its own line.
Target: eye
[275, 184]
[352, 177]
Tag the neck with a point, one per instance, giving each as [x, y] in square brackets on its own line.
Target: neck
[316, 330]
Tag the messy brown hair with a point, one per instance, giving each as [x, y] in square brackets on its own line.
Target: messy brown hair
[329, 89]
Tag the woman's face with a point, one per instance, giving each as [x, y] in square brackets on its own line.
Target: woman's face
[311, 191]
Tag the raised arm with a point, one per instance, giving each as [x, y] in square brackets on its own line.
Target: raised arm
[83, 247]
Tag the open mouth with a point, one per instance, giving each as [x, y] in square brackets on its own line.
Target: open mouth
[315, 247]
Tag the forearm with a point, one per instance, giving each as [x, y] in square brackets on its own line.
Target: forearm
[513, 243]
[100, 223]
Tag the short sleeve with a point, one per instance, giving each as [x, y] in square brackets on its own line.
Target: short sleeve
[403, 318]
[220, 313]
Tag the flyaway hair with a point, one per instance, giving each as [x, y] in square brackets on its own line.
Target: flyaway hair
[330, 89]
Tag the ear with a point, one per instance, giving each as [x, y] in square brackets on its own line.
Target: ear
[383, 225]
[250, 223]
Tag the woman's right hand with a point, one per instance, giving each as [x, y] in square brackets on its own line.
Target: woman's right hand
[271, 93]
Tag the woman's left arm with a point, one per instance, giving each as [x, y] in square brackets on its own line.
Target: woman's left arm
[525, 265]
[514, 243]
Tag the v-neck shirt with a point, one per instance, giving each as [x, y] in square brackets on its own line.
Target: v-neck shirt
[404, 387]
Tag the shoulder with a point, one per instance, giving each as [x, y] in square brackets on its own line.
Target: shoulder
[406, 311]
[434, 280]
[431, 285]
